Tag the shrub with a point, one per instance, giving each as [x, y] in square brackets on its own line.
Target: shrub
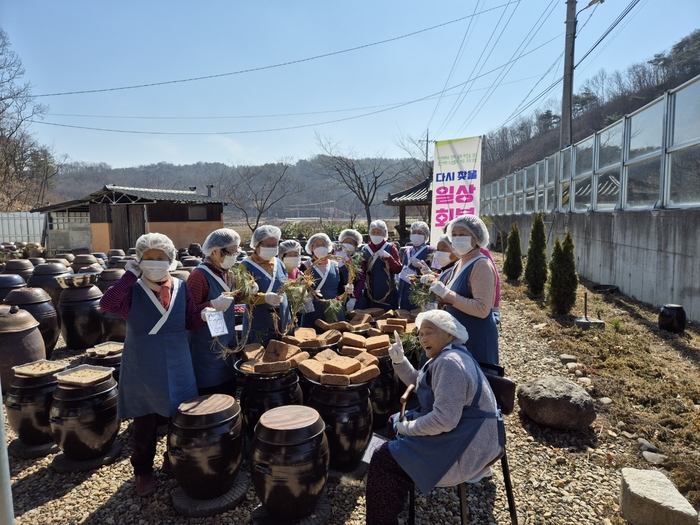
[563, 279]
[536, 265]
[513, 264]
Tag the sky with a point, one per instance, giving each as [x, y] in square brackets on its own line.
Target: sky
[360, 74]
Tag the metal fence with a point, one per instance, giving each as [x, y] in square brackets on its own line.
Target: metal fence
[22, 226]
[649, 159]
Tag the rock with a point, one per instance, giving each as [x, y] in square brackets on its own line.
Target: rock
[572, 367]
[654, 458]
[604, 400]
[646, 446]
[628, 435]
[647, 497]
[585, 381]
[557, 403]
[567, 358]
[578, 373]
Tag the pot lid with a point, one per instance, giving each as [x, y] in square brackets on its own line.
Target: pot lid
[26, 295]
[289, 425]
[206, 411]
[11, 280]
[14, 319]
[18, 264]
[74, 295]
[84, 259]
[48, 268]
[111, 274]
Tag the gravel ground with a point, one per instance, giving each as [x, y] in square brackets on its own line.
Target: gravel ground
[558, 477]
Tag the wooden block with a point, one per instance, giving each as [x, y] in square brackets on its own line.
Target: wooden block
[374, 312]
[400, 322]
[415, 311]
[298, 358]
[379, 341]
[361, 327]
[404, 314]
[305, 334]
[374, 332]
[411, 327]
[366, 359]
[325, 355]
[361, 319]
[313, 343]
[389, 328]
[364, 374]
[253, 351]
[351, 314]
[249, 365]
[335, 379]
[380, 323]
[311, 369]
[353, 340]
[323, 325]
[277, 366]
[342, 365]
[352, 351]
[388, 314]
[341, 326]
[290, 339]
[380, 352]
[331, 336]
[279, 351]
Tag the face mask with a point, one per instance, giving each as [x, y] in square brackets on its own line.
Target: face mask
[376, 239]
[320, 252]
[442, 258]
[462, 245]
[417, 239]
[268, 253]
[228, 261]
[155, 271]
[290, 263]
[349, 247]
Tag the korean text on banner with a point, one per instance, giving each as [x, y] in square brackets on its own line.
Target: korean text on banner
[456, 182]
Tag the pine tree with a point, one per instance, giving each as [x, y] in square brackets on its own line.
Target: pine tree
[563, 279]
[536, 265]
[513, 264]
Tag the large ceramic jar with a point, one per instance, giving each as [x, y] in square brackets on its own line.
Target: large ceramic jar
[9, 282]
[83, 261]
[60, 260]
[81, 319]
[113, 260]
[108, 277]
[38, 303]
[114, 252]
[20, 341]
[384, 393]
[36, 261]
[21, 267]
[44, 277]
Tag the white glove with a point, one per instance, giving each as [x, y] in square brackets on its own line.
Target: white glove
[415, 262]
[133, 267]
[384, 254]
[273, 299]
[350, 305]
[401, 427]
[396, 350]
[256, 288]
[427, 278]
[221, 303]
[349, 289]
[206, 310]
[439, 289]
[424, 268]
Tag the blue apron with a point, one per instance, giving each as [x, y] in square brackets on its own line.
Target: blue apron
[404, 287]
[263, 327]
[156, 372]
[378, 283]
[483, 333]
[428, 458]
[209, 369]
[329, 290]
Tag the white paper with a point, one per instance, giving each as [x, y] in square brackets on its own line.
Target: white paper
[216, 323]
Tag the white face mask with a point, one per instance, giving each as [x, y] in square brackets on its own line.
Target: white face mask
[290, 263]
[376, 239]
[349, 247]
[462, 245]
[442, 258]
[320, 252]
[268, 253]
[228, 261]
[155, 271]
[417, 239]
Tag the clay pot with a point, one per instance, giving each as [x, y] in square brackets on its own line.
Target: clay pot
[191, 262]
[44, 277]
[21, 267]
[81, 317]
[60, 260]
[115, 252]
[110, 361]
[28, 403]
[183, 275]
[100, 255]
[113, 327]
[8, 282]
[69, 257]
[36, 261]
[38, 303]
[20, 342]
[113, 259]
[672, 318]
[83, 261]
[131, 251]
[384, 393]
[108, 277]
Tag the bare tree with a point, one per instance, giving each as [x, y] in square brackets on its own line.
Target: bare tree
[253, 190]
[417, 165]
[363, 177]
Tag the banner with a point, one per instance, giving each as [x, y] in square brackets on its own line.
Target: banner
[456, 182]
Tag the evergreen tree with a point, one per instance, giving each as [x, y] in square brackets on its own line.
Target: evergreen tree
[513, 264]
[563, 279]
[536, 265]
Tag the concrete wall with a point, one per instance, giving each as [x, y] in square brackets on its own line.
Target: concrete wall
[184, 233]
[652, 256]
[78, 236]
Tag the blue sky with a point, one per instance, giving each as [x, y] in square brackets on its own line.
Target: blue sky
[79, 45]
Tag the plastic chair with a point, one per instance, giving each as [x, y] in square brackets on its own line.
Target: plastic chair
[504, 391]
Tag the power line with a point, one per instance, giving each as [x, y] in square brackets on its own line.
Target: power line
[262, 68]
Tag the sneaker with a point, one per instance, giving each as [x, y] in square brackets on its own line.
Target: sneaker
[146, 484]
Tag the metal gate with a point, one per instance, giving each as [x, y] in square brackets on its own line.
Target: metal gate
[22, 227]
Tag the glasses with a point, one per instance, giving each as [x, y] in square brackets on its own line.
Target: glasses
[226, 251]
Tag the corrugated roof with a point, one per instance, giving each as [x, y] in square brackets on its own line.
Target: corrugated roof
[419, 194]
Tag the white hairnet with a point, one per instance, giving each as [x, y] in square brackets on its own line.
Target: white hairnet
[350, 234]
[475, 225]
[263, 232]
[221, 238]
[314, 238]
[445, 321]
[156, 241]
[288, 246]
[445, 239]
[381, 225]
[420, 225]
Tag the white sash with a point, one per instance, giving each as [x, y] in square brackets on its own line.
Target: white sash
[425, 246]
[456, 274]
[373, 254]
[216, 277]
[272, 277]
[164, 314]
[322, 276]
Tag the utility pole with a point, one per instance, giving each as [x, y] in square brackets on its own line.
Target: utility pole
[565, 135]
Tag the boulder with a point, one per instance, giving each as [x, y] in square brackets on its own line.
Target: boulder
[647, 497]
[557, 403]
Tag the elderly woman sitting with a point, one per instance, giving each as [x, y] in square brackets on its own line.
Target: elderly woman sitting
[451, 437]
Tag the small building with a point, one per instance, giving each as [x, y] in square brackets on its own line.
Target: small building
[419, 195]
[115, 216]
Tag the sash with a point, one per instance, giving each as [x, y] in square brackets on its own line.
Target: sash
[164, 314]
[272, 277]
[322, 276]
[216, 277]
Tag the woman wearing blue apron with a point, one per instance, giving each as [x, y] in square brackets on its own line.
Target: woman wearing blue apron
[330, 280]
[382, 264]
[414, 262]
[470, 293]
[156, 369]
[450, 438]
[270, 274]
[349, 241]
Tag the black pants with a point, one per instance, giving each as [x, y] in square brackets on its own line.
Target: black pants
[144, 437]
